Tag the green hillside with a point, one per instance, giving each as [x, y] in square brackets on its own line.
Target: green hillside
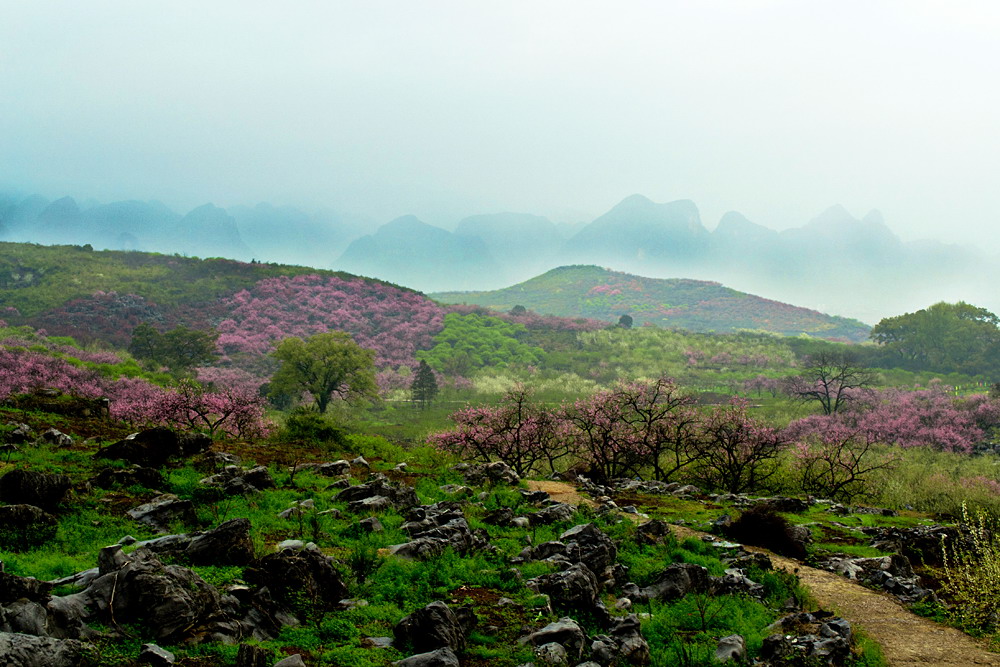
[37, 278]
[695, 305]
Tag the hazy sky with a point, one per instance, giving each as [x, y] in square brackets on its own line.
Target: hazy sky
[776, 109]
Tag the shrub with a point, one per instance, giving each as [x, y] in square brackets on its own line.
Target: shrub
[308, 426]
[971, 573]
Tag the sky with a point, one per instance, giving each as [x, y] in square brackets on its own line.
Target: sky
[378, 108]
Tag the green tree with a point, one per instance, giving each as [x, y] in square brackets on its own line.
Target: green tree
[145, 341]
[469, 342]
[183, 348]
[327, 365]
[424, 387]
[944, 338]
[180, 349]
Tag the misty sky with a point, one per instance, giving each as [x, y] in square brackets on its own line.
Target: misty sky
[444, 109]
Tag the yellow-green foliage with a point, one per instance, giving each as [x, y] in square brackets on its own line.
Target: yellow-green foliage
[941, 482]
[971, 573]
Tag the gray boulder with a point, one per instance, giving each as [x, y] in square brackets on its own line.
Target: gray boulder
[154, 447]
[20, 650]
[228, 543]
[675, 581]
[151, 654]
[137, 475]
[329, 469]
[496, 472]
[236, 481]
[555, 513]
[297, 577]
[587, 544]
[443, 657]
[56, 437]
[291, 661]
[731, 648]
[552, 654]
[31, 487]
[633, 649]
[378, 495]
[574, 588]
[163, 511]
[433, 627]
[565, 632]
[172, 601]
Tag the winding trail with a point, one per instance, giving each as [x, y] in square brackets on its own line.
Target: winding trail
[907, 640]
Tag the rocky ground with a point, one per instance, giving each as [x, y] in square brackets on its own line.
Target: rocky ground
[373, 562]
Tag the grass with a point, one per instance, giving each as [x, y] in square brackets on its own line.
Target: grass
[682, 632]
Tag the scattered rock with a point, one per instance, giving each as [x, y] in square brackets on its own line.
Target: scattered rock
[735, 582]
[437, 527]
[731, 648]
[137, 475]
[378, 495]
[587, 544]
[13, 587]
[151, 654]
[228, 543]
[291, 661]
[25, 526]
[632, 647]
[214, 461]
[496, 472]
[443, 657]
[500, 517]
[653, 532]
[552, 654]
[237, 481]
[294, 577]
[572, 589]
[30, 487]
[329, 469]
[172, 601]
[565, 632]
[675, 581]
[21, 434]
[558, 512]
[298, 508]
[163, 511]
[892, 574]
[154, 447]
[56, 437]
[371, 525]
[433, 627]
[23, 650]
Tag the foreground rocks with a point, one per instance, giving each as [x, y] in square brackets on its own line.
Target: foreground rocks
[154, 447]
[436, 626]
[23, 650]
[31, 487]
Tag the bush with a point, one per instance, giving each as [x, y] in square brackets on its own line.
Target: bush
[971, 574]
[309, 426]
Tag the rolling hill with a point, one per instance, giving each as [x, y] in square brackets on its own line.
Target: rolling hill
[695, 305]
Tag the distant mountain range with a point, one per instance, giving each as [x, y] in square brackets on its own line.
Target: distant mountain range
[693, 305]
[833, 263]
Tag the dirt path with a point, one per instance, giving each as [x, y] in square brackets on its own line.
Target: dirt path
[907, 640]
